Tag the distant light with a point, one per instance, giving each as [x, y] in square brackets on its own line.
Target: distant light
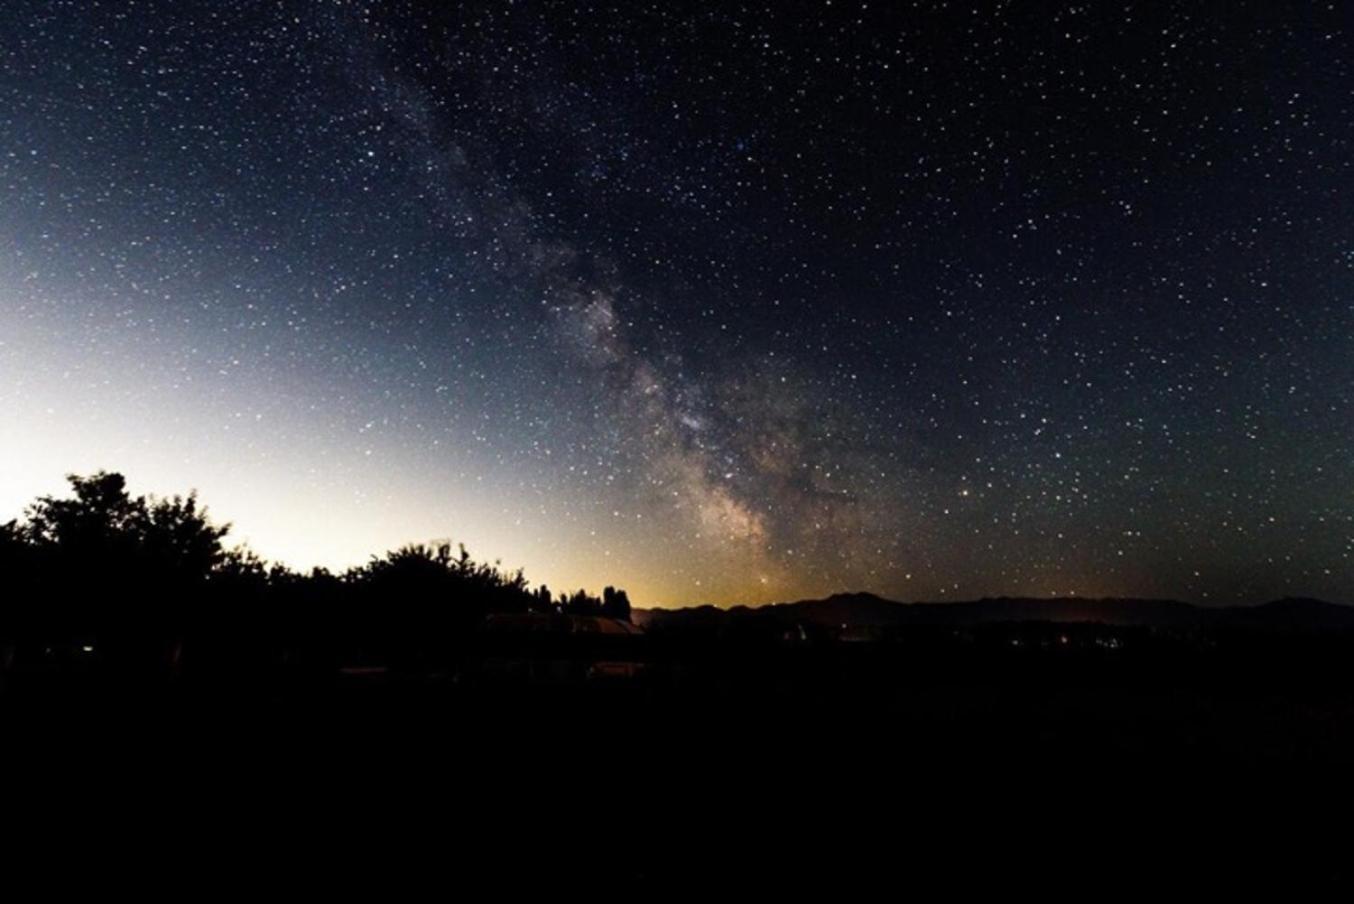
[88, 648]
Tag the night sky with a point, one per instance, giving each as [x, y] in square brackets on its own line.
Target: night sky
[716, 302]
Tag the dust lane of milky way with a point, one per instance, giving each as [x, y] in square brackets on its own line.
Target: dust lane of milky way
[718, 302]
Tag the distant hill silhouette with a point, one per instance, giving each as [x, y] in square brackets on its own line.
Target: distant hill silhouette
[857, 610]
[142, 587]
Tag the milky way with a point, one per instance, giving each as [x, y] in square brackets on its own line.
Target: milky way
[717, 302]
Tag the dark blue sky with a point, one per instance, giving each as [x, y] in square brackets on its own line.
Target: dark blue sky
[717, 301]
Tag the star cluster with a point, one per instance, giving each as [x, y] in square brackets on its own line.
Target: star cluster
[723, 302]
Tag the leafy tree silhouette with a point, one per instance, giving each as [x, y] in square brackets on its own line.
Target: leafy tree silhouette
[105, 563]
[107, 529]
[615, 604]
[151, 580]
[580, 603]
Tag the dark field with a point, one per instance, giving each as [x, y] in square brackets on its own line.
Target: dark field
[950, 757]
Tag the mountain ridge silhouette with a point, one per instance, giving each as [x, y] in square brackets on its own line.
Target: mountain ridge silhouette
[862, 609]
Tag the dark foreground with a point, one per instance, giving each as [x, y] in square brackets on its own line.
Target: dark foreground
[875, 767]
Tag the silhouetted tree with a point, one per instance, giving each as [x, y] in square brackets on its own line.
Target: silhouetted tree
[615, 604]
[125, 569]
[105, 528]
[150, 579]
[580, 603]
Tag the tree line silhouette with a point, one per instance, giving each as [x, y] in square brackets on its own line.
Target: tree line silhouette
[146, 583]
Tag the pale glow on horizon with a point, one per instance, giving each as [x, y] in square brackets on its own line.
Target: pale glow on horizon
[307, 488]
[297, 487]
[306, 485]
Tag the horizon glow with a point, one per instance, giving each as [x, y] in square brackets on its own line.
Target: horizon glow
[712, 306]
